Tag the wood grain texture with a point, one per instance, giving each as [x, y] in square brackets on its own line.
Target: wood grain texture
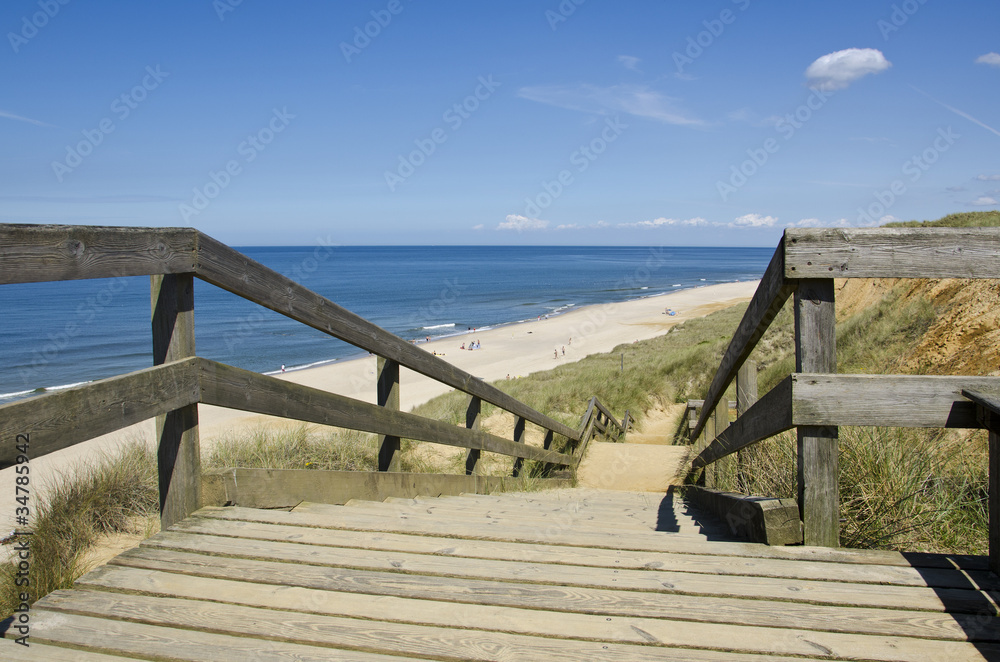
[226, 386]
[817, 452]
[63, 418]
[473, 412]
[888, 400]
[233, 271]
[489, 618]
[767, 302]
[892, 253]
[38, 253]
[178, 454]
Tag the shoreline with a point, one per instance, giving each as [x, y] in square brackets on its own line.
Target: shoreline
[515, 349]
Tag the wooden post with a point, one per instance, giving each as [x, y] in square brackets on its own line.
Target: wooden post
[746, 396]
[724, 467]
[178, 454]
[707, 438]
[988, 415]
[817, 452]
[388, 397]
[520, 437]
[472, 422]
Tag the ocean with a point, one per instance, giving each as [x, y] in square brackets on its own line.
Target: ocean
[56, 335]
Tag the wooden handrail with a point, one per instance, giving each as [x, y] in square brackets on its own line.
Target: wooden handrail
[815, 399]
[39, 253]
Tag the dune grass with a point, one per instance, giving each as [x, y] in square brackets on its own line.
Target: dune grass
[117, 493]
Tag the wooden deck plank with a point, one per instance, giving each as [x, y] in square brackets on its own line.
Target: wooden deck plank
[607, 602]
[168, 643]
[596, 557]
[793, 590]
[254, 624]
[783, 641]
[320, 516]
[35, 652]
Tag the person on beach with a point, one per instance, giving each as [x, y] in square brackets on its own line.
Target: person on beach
[555, 353]
[564, 350]
[282, 367]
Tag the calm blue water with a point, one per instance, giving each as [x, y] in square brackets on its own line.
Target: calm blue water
[57, 334]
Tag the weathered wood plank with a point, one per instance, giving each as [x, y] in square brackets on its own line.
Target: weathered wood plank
[63, 418]
[376, 636]
[710, 564]
[758, 519]
[818, 455]
[232, 271]
[767, 301]
[734, 586]
[38, 253]
[285, 488]
[746, 397]
[490, 618]
[892, 253]
[387, 392]
[178, 454]
[336, 518]
[226, 386]
[126, 637]
[767, 417]
[887, 400]
[632, 604]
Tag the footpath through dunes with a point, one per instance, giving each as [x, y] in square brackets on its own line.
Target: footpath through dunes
[567, 574]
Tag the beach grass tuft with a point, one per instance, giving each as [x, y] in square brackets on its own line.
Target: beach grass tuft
[116, 493]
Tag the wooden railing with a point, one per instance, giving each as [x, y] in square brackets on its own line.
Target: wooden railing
[815, 399]
[179, 380]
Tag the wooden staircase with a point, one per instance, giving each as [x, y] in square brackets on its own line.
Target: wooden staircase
[571, 574]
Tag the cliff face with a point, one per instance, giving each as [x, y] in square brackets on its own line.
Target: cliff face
[964, 339]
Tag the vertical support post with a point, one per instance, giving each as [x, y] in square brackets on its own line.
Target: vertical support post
[746, 396]
[388, 396]
[708, 435]
[520, 436]
[723, 467]
[178, 454]
[818, 454]
[472, 422]
[993, 502]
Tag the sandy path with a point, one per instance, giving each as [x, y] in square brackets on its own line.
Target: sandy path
[514, 350]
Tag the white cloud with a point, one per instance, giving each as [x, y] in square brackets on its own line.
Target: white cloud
[569, 226]
[754, 221]
[988, 178]
[12, 116]
[836, 71]
[629, 62]
[665, 222]
[992, 59]
[478, 227]
[636, 100]
[984, 201]
[522, 223]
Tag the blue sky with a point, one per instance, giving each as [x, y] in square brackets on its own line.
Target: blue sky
[573, 122]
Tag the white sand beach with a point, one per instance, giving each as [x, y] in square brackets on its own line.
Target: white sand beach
[515, 350]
